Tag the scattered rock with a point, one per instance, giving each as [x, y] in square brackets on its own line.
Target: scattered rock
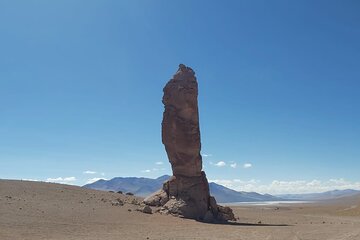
[129, 194]
[120, 192]
[157, 199]
[117, 202]
[135, 202]
[225, 214]
[145, 209]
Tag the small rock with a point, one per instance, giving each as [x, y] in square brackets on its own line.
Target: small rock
[135, 202]
[146, 209]
[157, 199]
[117, 202]
[130, 194]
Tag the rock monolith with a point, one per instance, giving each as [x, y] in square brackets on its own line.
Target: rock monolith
[186, 193]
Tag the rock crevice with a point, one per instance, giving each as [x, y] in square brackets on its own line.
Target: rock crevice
[186, 193]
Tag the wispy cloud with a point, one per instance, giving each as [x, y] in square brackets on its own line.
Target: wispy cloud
[63, 180]
[159, 163]
[92, 180]
[206, 155]
[283, 187]
[247, 165]
[89, 172]
[30, 179]
[146, 171]
[220, 164]
[223, 164]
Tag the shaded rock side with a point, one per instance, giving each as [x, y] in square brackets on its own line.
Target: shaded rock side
[186, 193]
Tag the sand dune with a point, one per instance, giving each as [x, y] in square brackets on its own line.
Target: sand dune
[36, 210]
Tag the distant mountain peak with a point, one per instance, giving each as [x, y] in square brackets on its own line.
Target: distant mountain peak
[164, 177]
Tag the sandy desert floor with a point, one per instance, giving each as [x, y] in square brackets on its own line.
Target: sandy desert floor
[34, 210]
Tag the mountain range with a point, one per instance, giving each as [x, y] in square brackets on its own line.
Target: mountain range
[334, 194]
[145, 186]
[141, 187]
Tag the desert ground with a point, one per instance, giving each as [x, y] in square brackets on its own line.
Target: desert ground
[37, 210]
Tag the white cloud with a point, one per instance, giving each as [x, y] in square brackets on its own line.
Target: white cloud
[247, 165]
[146, 171]
[206, 155]
[92, 180]
[89, 172]
[233, 165]
[224, 182]
[30, 179]
[283, 187]
[220, 164]
[65, 180]
[159, 163]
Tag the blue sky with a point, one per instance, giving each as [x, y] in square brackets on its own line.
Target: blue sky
[81, 87]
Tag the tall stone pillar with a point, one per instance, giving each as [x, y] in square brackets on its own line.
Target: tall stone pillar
[186, 193]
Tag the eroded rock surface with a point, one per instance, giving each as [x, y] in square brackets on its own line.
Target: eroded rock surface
[186, 193]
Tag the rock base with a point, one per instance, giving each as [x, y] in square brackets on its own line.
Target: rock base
[189, 197]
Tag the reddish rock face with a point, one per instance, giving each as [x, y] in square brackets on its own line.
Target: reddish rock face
[180, 125]
[186, 193]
